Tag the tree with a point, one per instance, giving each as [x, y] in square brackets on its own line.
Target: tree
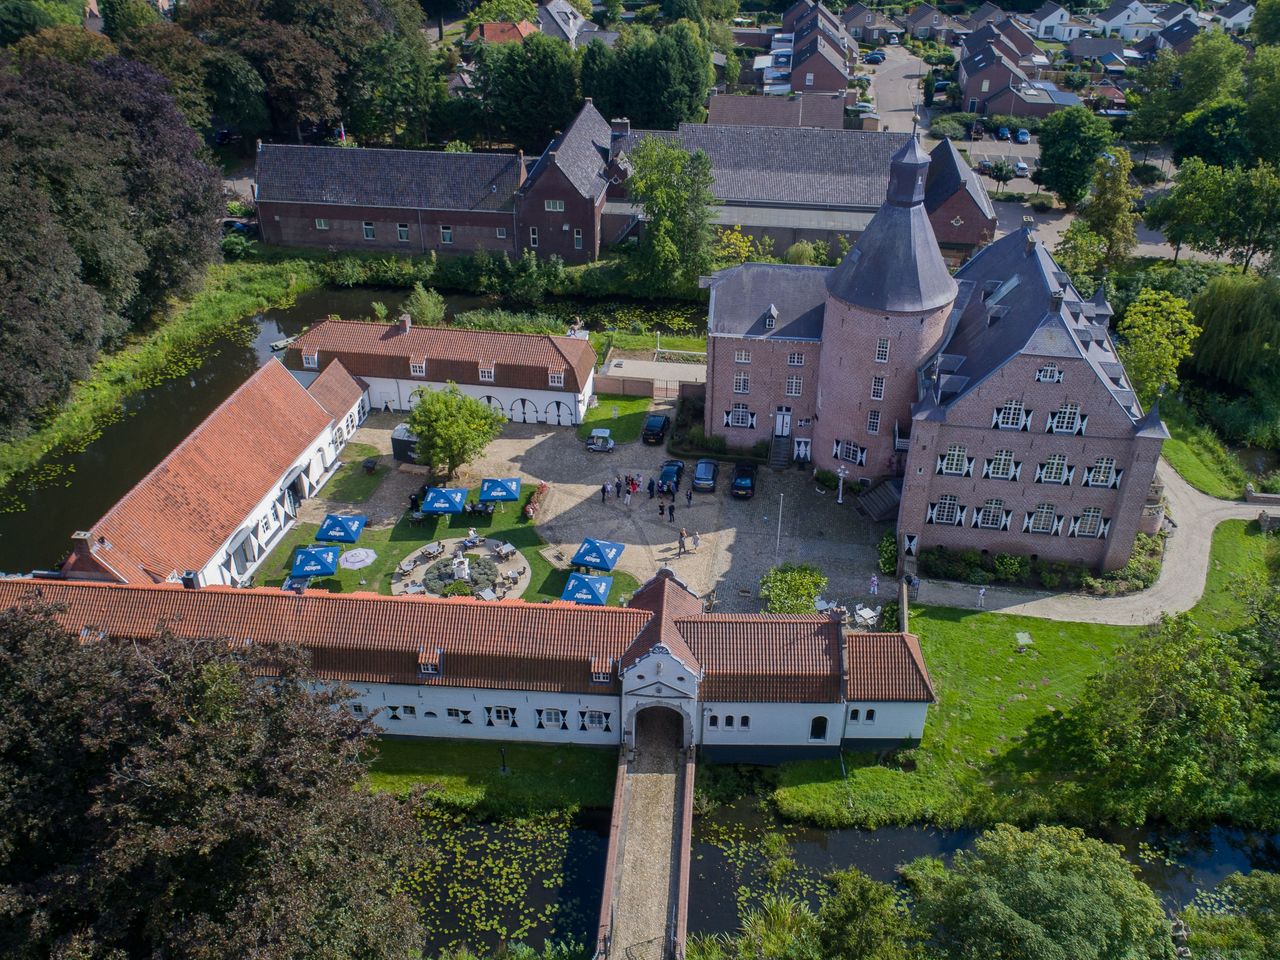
[861, 919]
[1158, 332]
[1217, 134]
[930, 86]
[600, 77]
[425, 307]
[529, 90]
[393, 89]
[181, 59]
[1266, 22]
[1070, 142]
[74, 44]
[1252, 222]
[166, 799]
[1263, 119]
[673, 187]
[1110, 212]
[1153, 115]
[1168, 728]
[1240, 318]
[1051, 893]
[501, 11]
[682, 10]
[1002, 172]
[21, 18]
[1210, 71]
[452, 428]
[1081, 253]
[121, 17]
[793, 587]
[457, 146]
[1187, 214]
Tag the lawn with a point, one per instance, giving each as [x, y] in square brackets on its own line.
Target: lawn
[1199, 456]
[468, 774]
[601, 341]
[351, 484]
[969, 768]
[393, 544]
[630, 420]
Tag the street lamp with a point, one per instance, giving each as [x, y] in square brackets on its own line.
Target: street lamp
[842, 471]
[503, 751]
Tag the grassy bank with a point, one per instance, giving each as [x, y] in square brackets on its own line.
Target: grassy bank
[1198, 455]
[629, 422]
[171, 348]
[971, 767]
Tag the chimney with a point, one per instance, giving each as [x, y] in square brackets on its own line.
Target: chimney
[1058, 296]
[620, 126]
[190, 580]
[404, 323]
[1031, 241]
[586, 101]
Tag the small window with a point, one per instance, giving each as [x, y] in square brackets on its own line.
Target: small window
[741, 383]
[501, 233]
[1042, 519]
[1090, 524]
[486, 374]
[742, 356]
[1103, 472]
[369, 233]
[953, 462]
[311, 361]
[713, 722]
[1012, 415]
[577, 239]
[322, 223]
[795, 359]
[429, 669]
[1002, 465]
[552, 717]
[818, 728]
[728, 722]
[871, 716]
[600, 676]
[446, 235]
[458, 716]
[1049, 373]
[409, 711]
[992, 515]
[533, 237]
[417, 369]
[553, 206]
[357, 709]
[877, 388]
[739, 416]
[1066, 419]
[597, 719]
[402, 232]
[882, 350]
[555, 379]
[744, 722]
[873, 421]
[794, 386]
[771, 321]
[808, 79]
[503, 715]
[854, 715]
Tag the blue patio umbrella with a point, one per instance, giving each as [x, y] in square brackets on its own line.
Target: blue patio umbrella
[593, 591]
[444, 500]
[315, 562]
[340, 529]
[506, 490]
[597, 554]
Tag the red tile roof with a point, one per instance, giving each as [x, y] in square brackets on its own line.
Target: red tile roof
[521, 360]
[665, 597]
[886, 667]
[336, 390]
[182, 512]
[766, 657]
[496, 31]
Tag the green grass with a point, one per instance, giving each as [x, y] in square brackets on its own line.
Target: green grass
[467, 774]
[630, 421]
[970, 769]
[602, 340]
[351, 484]
[1198, 455]
[393, 544]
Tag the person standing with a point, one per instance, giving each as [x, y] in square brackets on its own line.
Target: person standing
[688, 497]
[697, 541]
[604, 492]
[681, 546]
[617, 487]
[875, 585]
[652, 486]
[626, 497]
[982, 598]
[671, 513]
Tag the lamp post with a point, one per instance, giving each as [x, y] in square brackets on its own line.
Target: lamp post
[842, 471]
[503, 751]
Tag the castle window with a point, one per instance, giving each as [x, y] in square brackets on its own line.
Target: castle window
[1041, 519]
[744, 722]
[871, 716]
[946, 511]
[794, 386]
[1012, 416]
[873, 421]
[486, 374]
[882, 350]
[877, 388]
[1066, 419]
[741, 383]
[991, 516]
[458, 716]
[849, 451]
[818, 728]
[713, 722]
[742, 356]
[600, 676]
[1053, 470]
[1001, 465]
[1089, 523]
[795, 359]
[728, 722]
[739, 416]
[855, 715]
[1049, 373]
[1102, 473]
[417, 369]
[953, 461]
[555, 379]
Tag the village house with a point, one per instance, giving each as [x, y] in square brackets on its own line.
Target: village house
[819, 20]
[501, 32]
[993, 404]
[987, 13]
[871, 26]
[926, 22]
[749, 687]
[529, 378]
[1236, 16]
[1131, 20]
[1176, 37]
[991, 82]
[1010, 39]
[1053, 22]
[213, 509]
[1108, 52]
[818, 64]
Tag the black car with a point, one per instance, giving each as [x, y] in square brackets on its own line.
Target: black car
[704, 474]
[744, 480]
[655, 428]
[672, 471]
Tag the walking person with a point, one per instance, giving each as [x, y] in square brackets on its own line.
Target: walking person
[652, 486]
[671, 513]
[604, 492]
[626, 498]
[697, 541]
[982, 598]
[688, 497]
[681, 547]
[875, 585]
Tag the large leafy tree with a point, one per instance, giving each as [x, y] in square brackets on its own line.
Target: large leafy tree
[1081, 253]
[184, 798]
[600, 79]
[21, 18]
[181, 59]
[1211, 70]
[1190, 213]
[793, 587]
[1240, 317]
[1047, 894]
[862, 919]
[1070, 141]
[1218, 134]
[394, 87]
[1263, 119]
[122, 17]
[452, 428]
[1153, 118]
[530, 90]
[1158, 332]
[73, 44]
[674, 189]
[1266, 22]
[1110, 211]
[501, 11]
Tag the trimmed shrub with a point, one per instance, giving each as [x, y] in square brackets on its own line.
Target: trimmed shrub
[1011, 569]
[535, 502]
[888, 553]
[826, 478]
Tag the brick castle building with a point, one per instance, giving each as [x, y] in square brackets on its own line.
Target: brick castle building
[992, 403]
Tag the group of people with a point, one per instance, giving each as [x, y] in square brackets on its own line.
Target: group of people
[625, 487]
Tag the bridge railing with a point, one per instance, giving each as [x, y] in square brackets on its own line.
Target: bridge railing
[684, 841]
[604, 930]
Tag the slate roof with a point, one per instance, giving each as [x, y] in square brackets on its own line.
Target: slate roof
[1090, 48]
[825, 110]
[886, 667]
[1178, 35]
[582, 153]
[559, 19]
[1234, 9]
[180, 514]
[1168, 13]
[948, 174]
[856, 16]
[741, 298]
[336, 390]
[520, 360]
[1117, 8]
[987, 57]
[985, 13]
[1046, 11]
[772, 166]
[416, 179]
[896, 265]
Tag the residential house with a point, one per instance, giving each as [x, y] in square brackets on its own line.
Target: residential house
[820, 20]
[802, 11]
[824, 110]
[992, 83]
[1235, 16]
[870, 26]
[212, 510]
[1130, 20]
[1173, 12]
[560, 19]
[818, 65]
[1010, 39]
[1051, 22]
[501, 32]
[987, 13]
[926, 22]
[750, 687]
[529, 378]
[1176, 37]
[1036, 98]
[992, 402]
[1104, 50]
[957, 203]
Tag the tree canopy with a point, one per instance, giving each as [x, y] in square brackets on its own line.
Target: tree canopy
[793, 587]
[188, 798]
[452, 428]
[1110, 211]
[1070, 142]
[673, 187]
[1081, 253]
[529, 90]
[1158, 333]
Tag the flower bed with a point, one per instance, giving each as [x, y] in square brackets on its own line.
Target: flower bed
[439, 576]
[535, 502]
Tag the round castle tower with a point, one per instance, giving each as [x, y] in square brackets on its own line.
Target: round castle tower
[886, 313]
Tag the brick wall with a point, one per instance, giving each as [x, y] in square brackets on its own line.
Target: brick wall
[767, 374]
[974, 230]
[826, 76]
[579, 214]
[294, 224]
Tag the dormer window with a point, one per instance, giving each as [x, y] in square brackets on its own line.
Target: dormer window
[771, 317]
[418, 369]
[600, 676]
[486, 374]
[429, 669]
[555, 379]
[1049, 373]
[311, 361]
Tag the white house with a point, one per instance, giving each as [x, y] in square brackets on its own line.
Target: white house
[218, 504]
[1128, 19]
[530, 378]
[1236, 16]
[1053, 22]
[749, 687]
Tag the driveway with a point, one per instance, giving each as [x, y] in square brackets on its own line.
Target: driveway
[895, 87]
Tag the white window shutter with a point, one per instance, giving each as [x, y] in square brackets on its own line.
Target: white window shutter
[1074, 529]
[1104, 529]
[931, 513]
[1057, 526]
[995, 418]
[862, 456]
[909, 544]
[1017, 470]
[1006, 519]
[1026, 522]
[835, 450]
[1071, 476]
[1115, 479]
[1080, 429]
[751, 421]
[938, 469]
[986, 469]
[960, 516]
[977, 515]
[968, 466]
[1040, 473]
[727, 416]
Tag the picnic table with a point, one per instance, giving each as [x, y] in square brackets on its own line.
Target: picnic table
[487, 594]
[505, 551]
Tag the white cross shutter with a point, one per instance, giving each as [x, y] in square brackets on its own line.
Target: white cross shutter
[909, 544]
[968, 466]
[960, 516]
[751, 420]
[1080, 429]
[538, 714]
[1026, 522]
[835, 450]
[1026, 420]
[986, 469]
[727, 417]
[1115, 479]
[1074, 529]
[1057, 526]
[941, 459]
[931, 513]
[1004, 520]
[1017, 470]
[1040, 473]
[1071, 475]
[1104, 529]
[995, 418]
[862, 456]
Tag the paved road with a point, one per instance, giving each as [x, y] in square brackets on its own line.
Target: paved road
[895, 88]
[1182, 577]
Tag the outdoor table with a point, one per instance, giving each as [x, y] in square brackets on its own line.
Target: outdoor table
[506, 550]
[487, 594]
[433, 548]
[415, 588]
[408, 563]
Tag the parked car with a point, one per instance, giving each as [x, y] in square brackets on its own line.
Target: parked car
[1002, 133]
[743, 484]
[672, 471]
[1020, 169]
[600, 441]
[976, 132]
[863, 106]
[655, 428]
[941, 85]
[705, 473]
[873, 57]
[986, 166]
[1022, 136]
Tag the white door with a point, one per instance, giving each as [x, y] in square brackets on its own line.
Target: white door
[558, 412]
[522, 411]
[782, 422]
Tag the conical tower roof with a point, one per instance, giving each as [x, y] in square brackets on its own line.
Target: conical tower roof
[896, 265]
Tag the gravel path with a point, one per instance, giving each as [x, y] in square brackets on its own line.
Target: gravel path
[647, 872]
[1179, 588]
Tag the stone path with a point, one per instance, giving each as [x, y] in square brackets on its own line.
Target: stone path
[1179, 588]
